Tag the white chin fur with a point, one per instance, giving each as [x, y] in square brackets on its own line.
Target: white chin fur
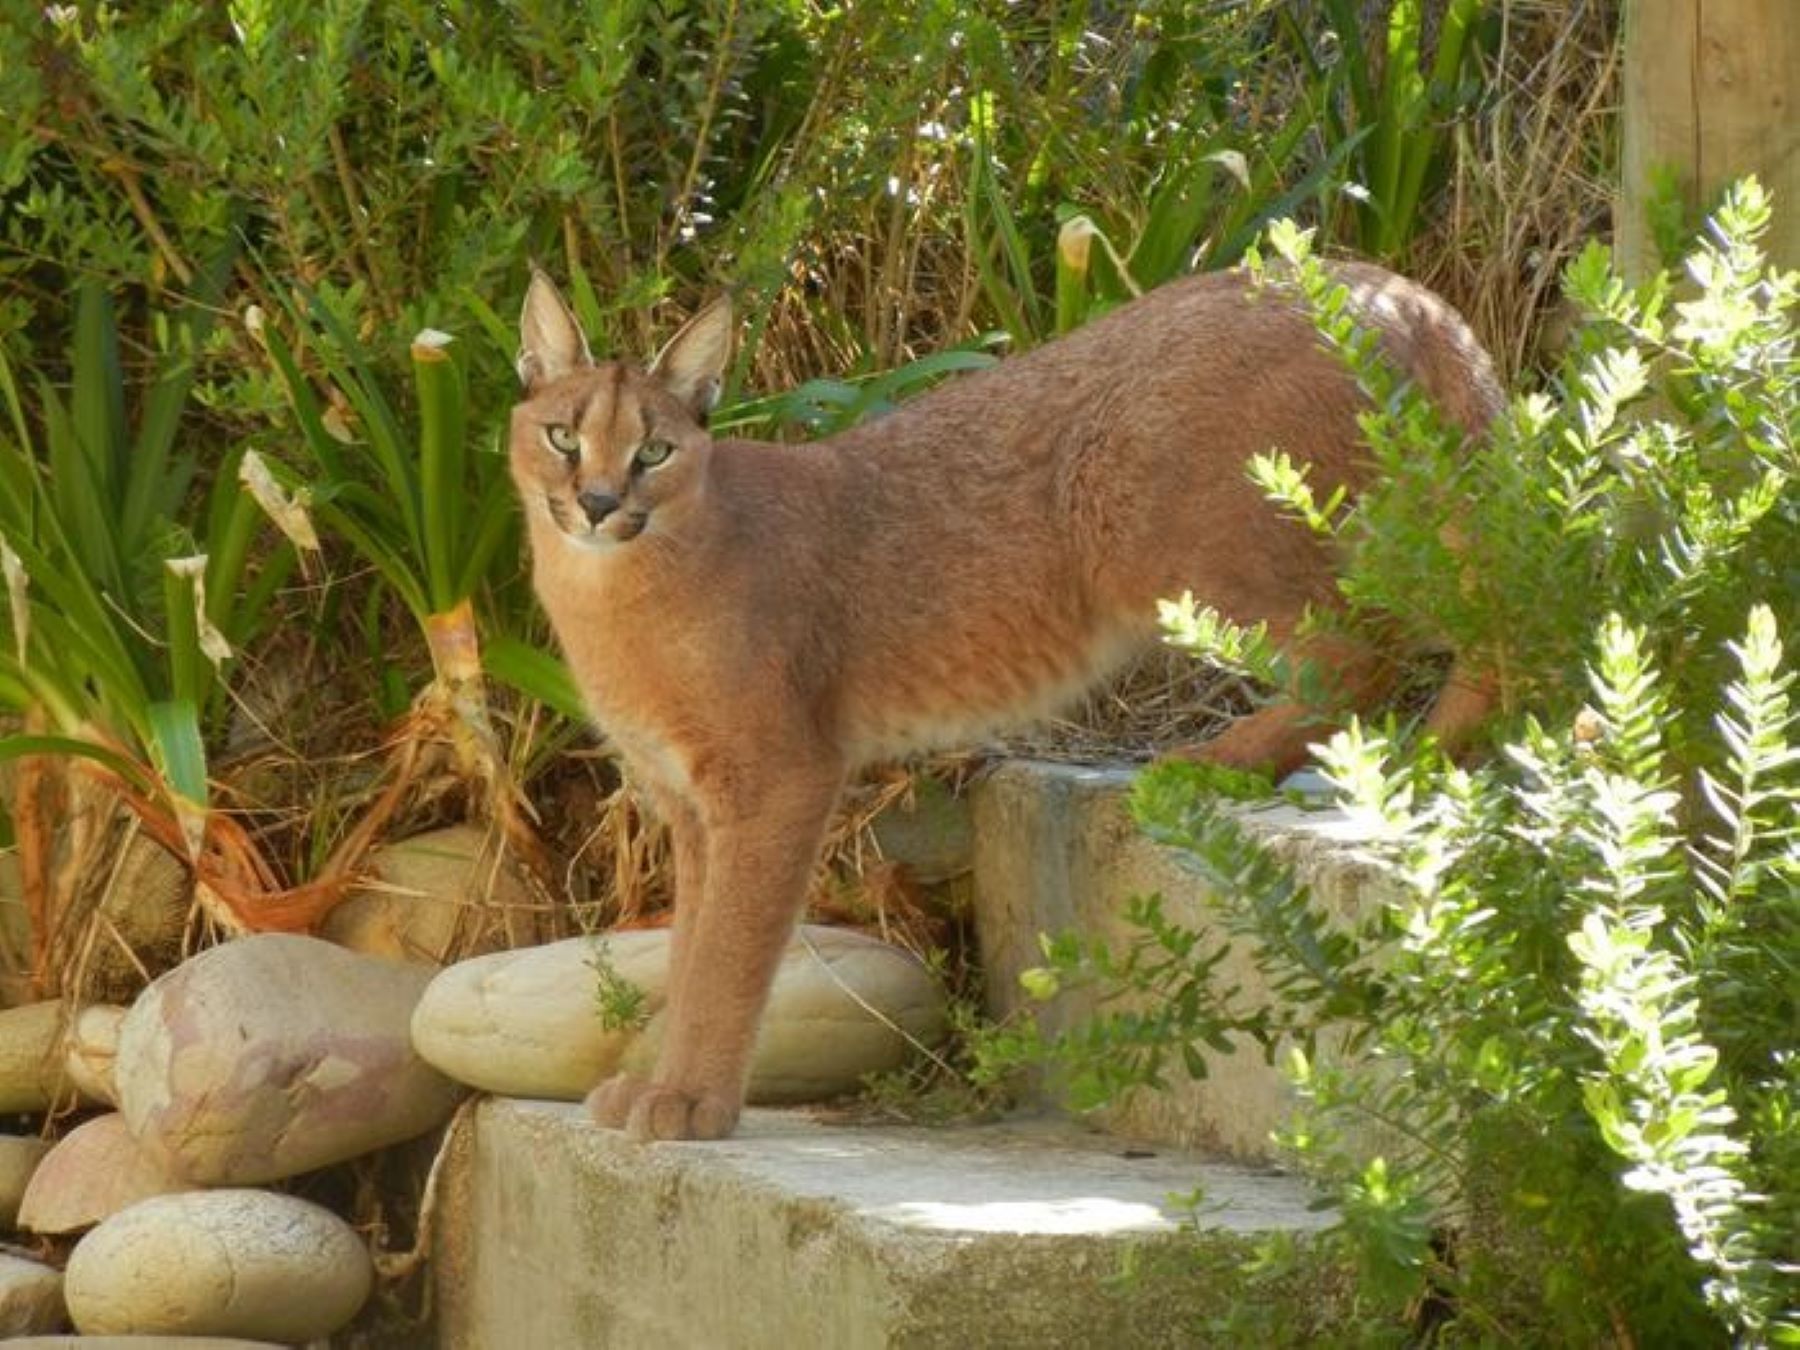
[589, 541]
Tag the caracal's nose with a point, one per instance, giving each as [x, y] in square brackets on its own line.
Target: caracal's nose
[597, 505]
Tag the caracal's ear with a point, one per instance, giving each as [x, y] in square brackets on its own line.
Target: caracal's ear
[550, 341]
[692, 365]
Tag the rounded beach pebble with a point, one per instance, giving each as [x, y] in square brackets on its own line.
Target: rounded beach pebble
[273, 1055]
[250, 1264]
[95, 1170]
[30, 1056]
[90, 1049]
[20, 1157]
[528, 1023]
[425, 892]
[30, 1298]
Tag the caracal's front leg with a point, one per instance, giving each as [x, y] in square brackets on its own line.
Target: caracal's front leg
[687, 848]
[757, 860]
[610, 1101]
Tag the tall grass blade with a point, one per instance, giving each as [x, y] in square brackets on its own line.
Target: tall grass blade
[178, 750]
[1074, 246]
[443, 496]
[77, 449]
[1422, 138]
[232, 518]
[534, 673]
[321, 445]
[154, 482]
[486, 537]
[188, 670]
[18, 747]
[97, 394]
[350, 369]
[1002, 261]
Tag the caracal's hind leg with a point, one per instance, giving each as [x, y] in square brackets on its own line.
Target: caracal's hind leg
[1273, 740]
[1469, 695]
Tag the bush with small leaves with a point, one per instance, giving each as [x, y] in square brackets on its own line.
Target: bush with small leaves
[1576, 1023]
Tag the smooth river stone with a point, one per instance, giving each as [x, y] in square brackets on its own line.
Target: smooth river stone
[527, 1024]
[31, 1071]
[427, 893]
[20, 1157]
[90, 1048]
[245, 1263]
[31, 1298]
[273, 1055]
[95, 1170]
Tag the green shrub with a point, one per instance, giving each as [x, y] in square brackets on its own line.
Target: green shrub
[123, 633]
[1576, 1024]
[120, 622]
[1655, 478]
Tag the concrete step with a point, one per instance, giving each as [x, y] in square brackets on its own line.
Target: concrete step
[797, 1234]
[1054, 849]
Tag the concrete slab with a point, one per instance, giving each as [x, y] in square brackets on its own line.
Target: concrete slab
[1056, 849]
[795, 1234]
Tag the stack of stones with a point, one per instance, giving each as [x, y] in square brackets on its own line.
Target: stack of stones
[232, 1079]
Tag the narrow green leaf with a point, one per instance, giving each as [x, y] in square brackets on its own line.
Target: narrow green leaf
[233, 518]
[16, 747]
[188, 671]
[1347, 22]
[1074, 247]
[443, 494]
[381, 428]
[18, 467]
[504, 335]
[176, 747]
[534, 673]
[494, 527]
[98, 391]
[319, 442]
[394, 565]
[77, 503]
[154, 485]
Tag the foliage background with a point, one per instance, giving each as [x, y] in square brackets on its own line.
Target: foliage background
[234, 238]
[324, 182]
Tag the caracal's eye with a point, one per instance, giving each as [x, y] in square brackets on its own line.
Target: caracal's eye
[652, 453]
[563, 439]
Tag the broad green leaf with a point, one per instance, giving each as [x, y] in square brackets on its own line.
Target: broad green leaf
[534, 673]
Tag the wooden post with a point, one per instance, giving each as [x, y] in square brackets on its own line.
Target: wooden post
[1712, 92]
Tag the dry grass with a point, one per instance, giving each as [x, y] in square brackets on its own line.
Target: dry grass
[1163, 701]
[1534, 179]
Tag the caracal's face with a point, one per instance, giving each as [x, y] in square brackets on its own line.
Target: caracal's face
[606, 454]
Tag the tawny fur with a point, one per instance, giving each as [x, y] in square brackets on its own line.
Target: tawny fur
[751, 622]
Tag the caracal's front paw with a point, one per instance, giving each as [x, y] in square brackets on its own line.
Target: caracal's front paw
[610, 1103]
[649, 1111]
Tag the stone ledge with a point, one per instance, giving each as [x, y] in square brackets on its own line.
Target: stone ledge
[1055, 849]
[796, 1233]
